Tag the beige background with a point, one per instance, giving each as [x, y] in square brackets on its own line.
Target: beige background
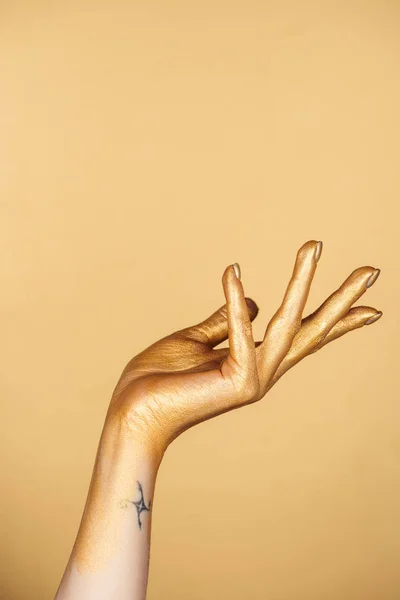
[144, 146]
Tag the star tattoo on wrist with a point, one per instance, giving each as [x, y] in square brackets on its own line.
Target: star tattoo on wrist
[140, 504]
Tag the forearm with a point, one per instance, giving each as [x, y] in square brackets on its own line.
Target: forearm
[110, 557]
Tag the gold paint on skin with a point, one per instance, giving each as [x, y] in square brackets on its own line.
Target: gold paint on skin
[181, 380]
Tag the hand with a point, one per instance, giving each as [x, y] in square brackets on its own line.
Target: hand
[182, 380]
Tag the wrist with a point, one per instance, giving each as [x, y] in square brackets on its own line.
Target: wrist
[124, 459]
[134, 436]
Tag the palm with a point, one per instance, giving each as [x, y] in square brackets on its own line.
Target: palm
[179, 352]
[173, 363]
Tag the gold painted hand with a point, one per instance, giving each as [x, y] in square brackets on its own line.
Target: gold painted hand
[182, 380]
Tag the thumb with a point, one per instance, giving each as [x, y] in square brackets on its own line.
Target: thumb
[214, 330]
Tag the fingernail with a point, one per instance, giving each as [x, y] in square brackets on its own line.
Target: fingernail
[374, 318]
[373, 277]
[237, 269]
[318, 251]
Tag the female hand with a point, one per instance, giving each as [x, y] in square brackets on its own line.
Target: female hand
[182, 380]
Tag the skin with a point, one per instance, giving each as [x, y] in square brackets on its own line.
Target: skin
[177, 382]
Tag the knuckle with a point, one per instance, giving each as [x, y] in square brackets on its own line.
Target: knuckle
[247, 327]
[277, 321]
[317, 334]
[285, 321]
[223, 312]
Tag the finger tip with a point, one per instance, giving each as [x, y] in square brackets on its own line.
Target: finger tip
[252, 307]
[318, 251]
[374, 318]
[227, 272]
[313, 247]
[236, 268]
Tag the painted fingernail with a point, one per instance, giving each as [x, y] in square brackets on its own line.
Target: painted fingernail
[318, 251]
[237, 269]
[374, 318]
[373, 277]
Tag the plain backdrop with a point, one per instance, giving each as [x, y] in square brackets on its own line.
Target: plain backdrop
[145, 146]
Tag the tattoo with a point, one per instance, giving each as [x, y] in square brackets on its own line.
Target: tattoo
[140, 505]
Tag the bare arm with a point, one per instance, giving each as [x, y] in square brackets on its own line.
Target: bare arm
[110, 557]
